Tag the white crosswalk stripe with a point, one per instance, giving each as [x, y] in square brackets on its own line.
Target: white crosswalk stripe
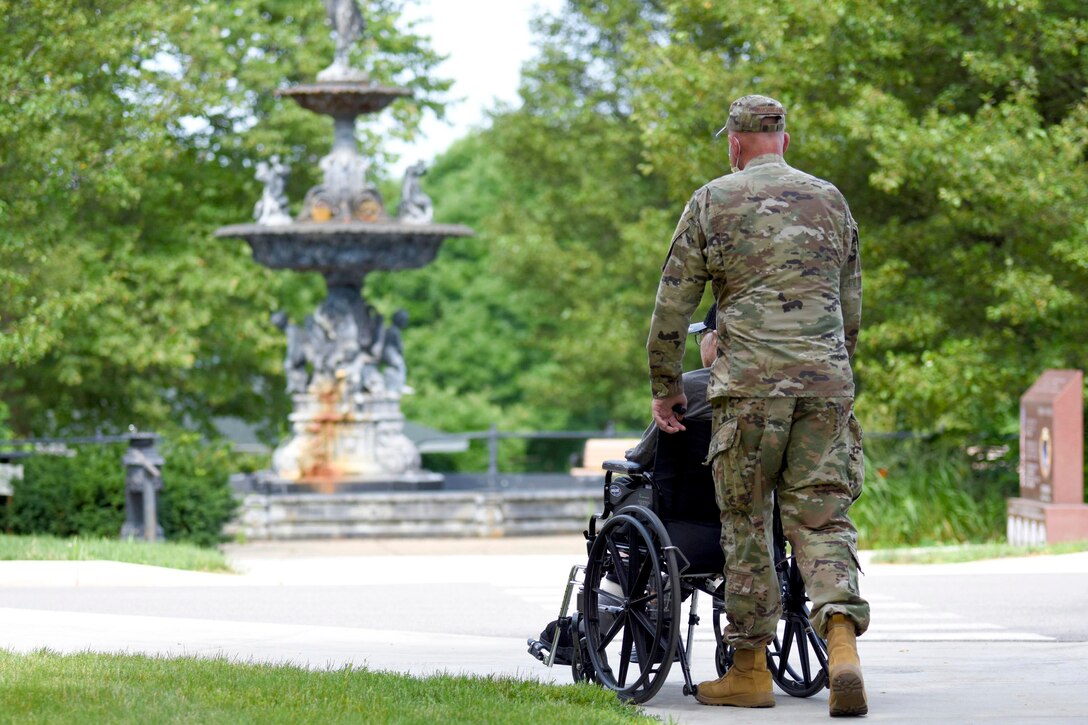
[893, 620]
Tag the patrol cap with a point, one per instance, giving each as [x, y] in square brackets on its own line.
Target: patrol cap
[755, 114]
[710, 323]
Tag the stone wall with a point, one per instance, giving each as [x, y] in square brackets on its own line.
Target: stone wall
[438, 513]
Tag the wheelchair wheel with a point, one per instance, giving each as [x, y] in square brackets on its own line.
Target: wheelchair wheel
[797, 658]
[631, 600]
[723, 659]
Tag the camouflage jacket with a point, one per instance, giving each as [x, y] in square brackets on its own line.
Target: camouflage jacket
[781, 252]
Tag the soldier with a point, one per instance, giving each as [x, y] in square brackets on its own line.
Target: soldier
[780, 250]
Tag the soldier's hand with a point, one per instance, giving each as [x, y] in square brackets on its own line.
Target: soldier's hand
[668, 412]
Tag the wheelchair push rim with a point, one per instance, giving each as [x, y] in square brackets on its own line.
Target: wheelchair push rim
[631, 601]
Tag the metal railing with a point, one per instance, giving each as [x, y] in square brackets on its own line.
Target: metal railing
[142, 467]
[493, 436]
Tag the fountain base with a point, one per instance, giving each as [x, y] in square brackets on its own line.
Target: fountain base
[346, 442]
[267, 483]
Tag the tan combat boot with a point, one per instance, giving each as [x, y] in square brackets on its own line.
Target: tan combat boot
[847, 687]
[746, 684]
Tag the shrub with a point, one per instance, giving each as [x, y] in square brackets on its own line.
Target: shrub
[68, 495]
[196, 499]
[922, 493]
[84, 494]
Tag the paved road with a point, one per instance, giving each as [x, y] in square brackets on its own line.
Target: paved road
[1004, 640]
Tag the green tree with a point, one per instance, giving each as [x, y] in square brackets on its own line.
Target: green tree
[128, 133]
[956, 130]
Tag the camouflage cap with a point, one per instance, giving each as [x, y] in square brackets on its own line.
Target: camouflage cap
[755, 114]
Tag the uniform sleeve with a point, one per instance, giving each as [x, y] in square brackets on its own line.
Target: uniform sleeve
[683, 279]
[850, 287]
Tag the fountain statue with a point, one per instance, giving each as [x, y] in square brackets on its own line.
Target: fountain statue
[345, 367]
[272, 207]
[415, 206]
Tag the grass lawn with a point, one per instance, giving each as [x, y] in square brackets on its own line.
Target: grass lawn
[51, 548]
[971, 552]
[92, 688]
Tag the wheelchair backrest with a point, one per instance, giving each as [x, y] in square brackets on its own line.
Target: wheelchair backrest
[685, 487]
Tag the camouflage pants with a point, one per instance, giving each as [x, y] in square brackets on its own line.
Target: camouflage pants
[810, 450]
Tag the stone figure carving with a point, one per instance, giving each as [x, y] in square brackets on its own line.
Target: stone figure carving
[344, 194]
[271, 209]
[294, 361]
[345, 339]
[347, 20]
[337, 325]
[344, 172]
[392, 354]
[415, 207]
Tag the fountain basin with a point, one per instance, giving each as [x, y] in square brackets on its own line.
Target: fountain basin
[337, 247]
[343, 98]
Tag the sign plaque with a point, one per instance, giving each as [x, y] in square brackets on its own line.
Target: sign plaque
[1051, 505]
[1052, 438]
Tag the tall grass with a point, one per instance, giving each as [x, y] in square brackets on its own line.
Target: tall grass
[92, 688]
[928, 493]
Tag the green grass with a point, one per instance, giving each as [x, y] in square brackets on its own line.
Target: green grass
[972, 552]
[166, 554]
[45, 687]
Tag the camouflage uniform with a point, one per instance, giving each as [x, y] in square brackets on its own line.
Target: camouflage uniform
[780, 250]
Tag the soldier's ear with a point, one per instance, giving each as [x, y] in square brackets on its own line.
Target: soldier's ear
[785, 142]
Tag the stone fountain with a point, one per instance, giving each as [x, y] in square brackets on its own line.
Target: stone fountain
[345, 365]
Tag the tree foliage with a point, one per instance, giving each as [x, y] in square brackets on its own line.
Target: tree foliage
[957, 130]
[128, 133]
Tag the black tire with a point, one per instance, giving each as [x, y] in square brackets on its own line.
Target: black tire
[631, 600]
[797, 658]
[723, 659]
[723, 656]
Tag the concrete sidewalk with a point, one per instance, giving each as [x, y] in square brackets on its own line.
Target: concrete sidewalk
[466, 606]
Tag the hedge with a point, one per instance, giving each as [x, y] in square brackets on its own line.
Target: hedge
[84, 494]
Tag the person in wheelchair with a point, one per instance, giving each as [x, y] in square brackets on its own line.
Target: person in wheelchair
[684, 485]
[695, 385]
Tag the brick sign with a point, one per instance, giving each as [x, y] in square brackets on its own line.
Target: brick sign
[1051, 439]
[1051, 505]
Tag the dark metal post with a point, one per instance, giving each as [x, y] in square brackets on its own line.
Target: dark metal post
[143, 480]
[493, 451]
[493, 456]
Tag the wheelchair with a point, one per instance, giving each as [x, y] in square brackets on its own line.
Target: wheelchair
[655, 545]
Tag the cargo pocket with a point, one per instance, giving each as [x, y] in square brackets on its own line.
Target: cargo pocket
[720, 457]
[722, 440]
[738, 581]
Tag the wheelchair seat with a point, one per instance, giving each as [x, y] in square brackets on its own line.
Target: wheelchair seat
[701, 545]
[686, 502]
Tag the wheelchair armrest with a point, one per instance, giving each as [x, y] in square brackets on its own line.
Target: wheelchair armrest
[623, 466]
